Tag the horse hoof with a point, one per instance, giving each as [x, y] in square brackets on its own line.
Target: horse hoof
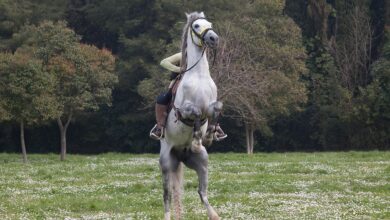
[196, 146]
[167, 216]
[208, 139]
[215, 217]
[196, 149]
[207, 143]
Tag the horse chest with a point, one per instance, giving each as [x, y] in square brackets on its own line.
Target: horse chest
[198, 88]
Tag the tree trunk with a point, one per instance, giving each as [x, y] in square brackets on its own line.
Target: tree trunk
[63, 143]
[63, 128]
[22, 142]
[249, 138]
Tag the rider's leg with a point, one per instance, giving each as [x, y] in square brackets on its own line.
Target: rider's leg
[161, 108]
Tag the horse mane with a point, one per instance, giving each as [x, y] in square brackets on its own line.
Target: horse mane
[190, 18]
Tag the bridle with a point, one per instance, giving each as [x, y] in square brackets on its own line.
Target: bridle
[200, 36]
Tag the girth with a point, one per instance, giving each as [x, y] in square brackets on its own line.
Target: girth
[186, 121]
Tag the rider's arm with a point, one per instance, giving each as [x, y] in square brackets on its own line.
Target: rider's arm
[172, 63]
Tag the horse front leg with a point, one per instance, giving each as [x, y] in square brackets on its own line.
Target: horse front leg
[196, 145]
[192, 112]
[165, 170]
[213, 113]
[203, 182]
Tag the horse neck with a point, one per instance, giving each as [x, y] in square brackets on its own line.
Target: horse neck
[194, 52]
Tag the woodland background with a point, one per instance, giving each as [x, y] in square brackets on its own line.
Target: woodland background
[295, 75]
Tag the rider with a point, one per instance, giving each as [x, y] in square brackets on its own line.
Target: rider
[172, 64]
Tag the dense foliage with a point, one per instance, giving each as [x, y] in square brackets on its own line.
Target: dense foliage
[318, 72]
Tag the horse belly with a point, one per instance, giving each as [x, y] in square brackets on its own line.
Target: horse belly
[176, 133]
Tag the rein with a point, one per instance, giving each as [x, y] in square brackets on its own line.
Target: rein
[204, 49]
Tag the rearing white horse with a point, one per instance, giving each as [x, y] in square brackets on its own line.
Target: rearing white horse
[195, 108]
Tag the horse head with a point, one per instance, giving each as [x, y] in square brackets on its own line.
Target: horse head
[202, 32]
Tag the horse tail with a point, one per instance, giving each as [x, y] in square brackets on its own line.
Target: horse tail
[177, 191]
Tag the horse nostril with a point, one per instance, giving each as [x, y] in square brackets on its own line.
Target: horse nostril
[212, 38]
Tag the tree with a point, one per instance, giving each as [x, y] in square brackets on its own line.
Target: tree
[372, 109]
[84, 86]
[15, 14]
[261, 60]
[352, 47]
[84, 74]
[25, 91]
[319, 12]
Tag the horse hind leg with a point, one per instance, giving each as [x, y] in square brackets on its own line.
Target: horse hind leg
[199, 162]
[169, 166]
[177, 190]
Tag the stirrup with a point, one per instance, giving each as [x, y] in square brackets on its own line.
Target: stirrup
[154, 136]
[216, 138]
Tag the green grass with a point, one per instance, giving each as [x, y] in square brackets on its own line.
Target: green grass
[352, 185]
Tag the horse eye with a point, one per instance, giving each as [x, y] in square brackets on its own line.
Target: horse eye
[196, 26]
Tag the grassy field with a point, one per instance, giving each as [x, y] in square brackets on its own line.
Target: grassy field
[353, 185]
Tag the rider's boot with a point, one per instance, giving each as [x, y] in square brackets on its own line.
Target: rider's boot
[157, 131]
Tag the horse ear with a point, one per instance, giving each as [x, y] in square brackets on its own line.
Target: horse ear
[202, 14]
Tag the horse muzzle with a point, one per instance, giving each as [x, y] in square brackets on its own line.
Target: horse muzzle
[211, 39]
